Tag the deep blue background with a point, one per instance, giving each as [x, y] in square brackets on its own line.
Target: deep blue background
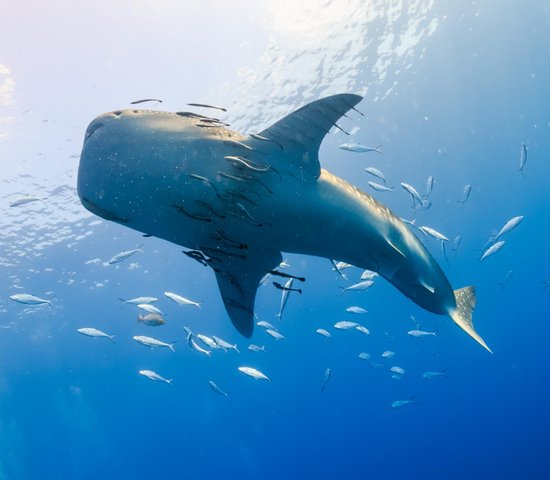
[75, 408]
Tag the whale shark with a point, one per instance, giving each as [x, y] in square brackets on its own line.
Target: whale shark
[236, 201]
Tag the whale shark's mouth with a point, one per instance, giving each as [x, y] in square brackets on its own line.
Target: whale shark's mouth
[102, 212]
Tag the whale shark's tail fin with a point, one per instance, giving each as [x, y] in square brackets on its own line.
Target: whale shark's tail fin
[462, 314]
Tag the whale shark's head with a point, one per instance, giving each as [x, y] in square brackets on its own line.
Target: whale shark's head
[122, 151]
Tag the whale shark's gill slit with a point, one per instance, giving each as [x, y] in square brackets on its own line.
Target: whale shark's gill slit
[286, 275]
[180, 209]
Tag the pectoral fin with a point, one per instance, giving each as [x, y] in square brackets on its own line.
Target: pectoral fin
[238, 280]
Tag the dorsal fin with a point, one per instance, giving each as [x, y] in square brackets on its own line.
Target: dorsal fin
[300, 133]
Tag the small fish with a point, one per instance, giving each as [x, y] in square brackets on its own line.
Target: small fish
[375, 173]
[181, 300]
[281, 287]
[402, 403]
[415, 196]
[155, 376]
[357, 148]
[509, 226]
[429, 375]
[368, 275]
[135, 102]
[119, 257]
[345, 325]
[420, 333]
[139, 300]
[255, 348]
[150, 308]
[546, 284]
[338, 269]
[204, 105]
[225, 345]
[94, 332]
[355, 309]
[275, 334]
[493, 249]
[326, 378]
[151, 319]
[456, 243]
[284, 265]
[366, 284]
[264, 324]
[208, 341]
[24, 200]
[343, 265]
[397, 377]
[195, 346]
[153, 342]
[506, 279]
[28, 299]
[397, 370]
[252, 372]
[388, 354]
[364, 356]
[284, 296]
[217, 389]
[380, 188]
[362, 329]
[434, 233]
[323, 332]
[522, 157]
[465, 195]
[429, 186]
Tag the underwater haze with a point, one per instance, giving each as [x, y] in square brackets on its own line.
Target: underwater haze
[456, 91]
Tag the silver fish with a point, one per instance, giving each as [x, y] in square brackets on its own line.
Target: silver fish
[284, 296]
[415, 196]
[255, 348]
[254, 373]
[155, 376]
[398, 370]
[357, 148]
[217, 389]
[434, 233]
[429, 186]
[364, 356]
[225, 345]
[493, 249]
[388, 354]
[151, 319]
[95, 333]
[24, 200]
[522, 157]
[355, 309]
[362, 329]
[345, 325]
[181, 300]
[326, 378]
[153, 342]
[380, 188]
[465, 195]
[375, 173]
[139, 300]
[366, 284]
[119, 257]
[420, 333]
[275, 334]
[323, 332]
[264, 324]
[402, 403]
[195, 346]
[429, 375]
[208, 341]
[150, 308]
[509, 226]
[28, 299]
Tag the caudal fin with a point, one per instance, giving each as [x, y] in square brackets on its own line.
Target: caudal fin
[462, 315]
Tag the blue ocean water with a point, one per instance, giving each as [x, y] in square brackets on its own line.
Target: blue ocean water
[451, 91]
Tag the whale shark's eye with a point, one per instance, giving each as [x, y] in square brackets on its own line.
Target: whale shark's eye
[117, 113]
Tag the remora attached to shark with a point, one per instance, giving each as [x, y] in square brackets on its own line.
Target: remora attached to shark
[239, 200]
